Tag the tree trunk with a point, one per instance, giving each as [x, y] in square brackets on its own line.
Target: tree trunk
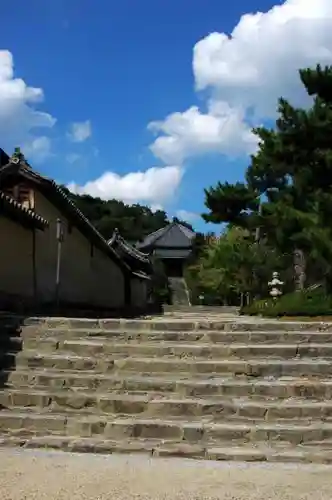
[299, 270]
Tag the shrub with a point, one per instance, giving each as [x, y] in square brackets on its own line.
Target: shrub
[306, 303]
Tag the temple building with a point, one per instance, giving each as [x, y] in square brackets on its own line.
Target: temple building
[171, 244]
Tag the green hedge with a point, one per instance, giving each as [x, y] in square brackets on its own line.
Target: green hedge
[307, 303]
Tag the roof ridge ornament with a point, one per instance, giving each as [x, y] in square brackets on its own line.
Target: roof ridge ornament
[116, 234]
[17, 156]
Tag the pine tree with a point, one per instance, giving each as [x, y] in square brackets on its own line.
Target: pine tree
[291, 174]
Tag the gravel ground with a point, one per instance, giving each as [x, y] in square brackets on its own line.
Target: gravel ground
[27, 475]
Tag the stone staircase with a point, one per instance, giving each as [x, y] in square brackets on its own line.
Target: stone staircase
[179, 292]
[227, 390]
[200, 310]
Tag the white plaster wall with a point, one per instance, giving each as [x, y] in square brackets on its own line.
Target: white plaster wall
[16, 259]
[139, 290]
[107, 283]
[87, 276]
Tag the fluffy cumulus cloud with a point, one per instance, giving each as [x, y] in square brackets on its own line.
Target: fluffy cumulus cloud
[80, 131]
[259, 61]
[222, 129]
[19, 116]
[245, 73]
[152, 186]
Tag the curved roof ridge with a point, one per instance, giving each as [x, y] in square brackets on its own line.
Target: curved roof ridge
[130, 249]
[186, 230]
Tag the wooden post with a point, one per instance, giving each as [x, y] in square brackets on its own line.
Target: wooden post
[59, 237]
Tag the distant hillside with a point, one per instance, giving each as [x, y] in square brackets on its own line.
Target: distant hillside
[133, 221]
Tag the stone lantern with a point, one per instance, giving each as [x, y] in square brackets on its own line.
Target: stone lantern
[275, 284]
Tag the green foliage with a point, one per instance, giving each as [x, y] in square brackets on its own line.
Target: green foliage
[230, 203]
[191, 271]
[306, 303]
[134, 222]
[291, 175]
[233, 265]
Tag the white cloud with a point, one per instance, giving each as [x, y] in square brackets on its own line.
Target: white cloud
[18, 114]
[80, 131]
[245, 74]
[186, 215]
[259, 61]
[155, 207]
[190, 133]
[37, 149]
[152, 186]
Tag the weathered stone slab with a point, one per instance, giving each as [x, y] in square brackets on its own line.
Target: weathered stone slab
[41, 345]
[206, 386]
[258, 325]
[181, 450]
[232, 453]
[75, 323]
[197, 350]
[32, 422]
[226, 451]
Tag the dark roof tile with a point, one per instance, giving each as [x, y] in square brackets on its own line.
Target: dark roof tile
[117, 239]
[165, 232]
[11, 207]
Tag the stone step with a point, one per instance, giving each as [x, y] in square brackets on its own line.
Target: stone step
[225, 451]
[164, 349]
[160, 405]
[242, 324]
[32, 336]
[201, 309]
[198, 385]
[319, 367]
[251, 367]
[176, 324]
[193, 432]
[224, 388]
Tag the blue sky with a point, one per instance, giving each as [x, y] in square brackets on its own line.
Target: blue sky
[105, 70]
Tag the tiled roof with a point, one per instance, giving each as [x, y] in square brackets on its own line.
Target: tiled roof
[117, 239]
[141, 275]
[139, 263]
[9, 206]
[153, 238]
